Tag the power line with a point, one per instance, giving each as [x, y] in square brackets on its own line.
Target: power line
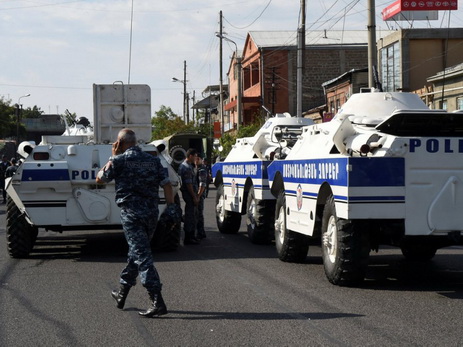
[255, 20]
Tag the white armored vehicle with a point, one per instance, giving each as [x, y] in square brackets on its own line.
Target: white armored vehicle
[385, 170]
[54, 188]
[242, 180]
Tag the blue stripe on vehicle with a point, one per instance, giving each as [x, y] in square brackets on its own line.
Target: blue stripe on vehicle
[354, 199]
[45, 175]
[245, 169]
[352, 172]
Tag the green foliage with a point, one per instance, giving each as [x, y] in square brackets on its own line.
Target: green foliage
[34, 112]
[7, 119]
[228, 139]
[71, 118]
[202, 127]
[166, 123]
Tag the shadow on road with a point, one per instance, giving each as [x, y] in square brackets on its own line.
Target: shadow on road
[389, 271]
[104, 246]
[258, 316]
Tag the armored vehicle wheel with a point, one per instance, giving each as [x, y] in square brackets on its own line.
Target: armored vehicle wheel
[20, 234]
[345, 247]
[260, 220]
[291, 246]
[227, 222]
[418, 252]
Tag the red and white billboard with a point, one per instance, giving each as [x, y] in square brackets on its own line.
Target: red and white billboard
[402, 9]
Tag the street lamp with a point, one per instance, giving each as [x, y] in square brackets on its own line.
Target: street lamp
[18, 116]
[239, 90]
[185, 96]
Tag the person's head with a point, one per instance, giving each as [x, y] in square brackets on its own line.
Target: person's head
[198, 161]
[4, 158]
[191, 155]
[126, 139]
[13, 161]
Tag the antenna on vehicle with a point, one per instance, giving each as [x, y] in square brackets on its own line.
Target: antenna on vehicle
[130, 44]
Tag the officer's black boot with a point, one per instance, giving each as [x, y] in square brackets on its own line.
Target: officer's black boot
[121, 295]
[157, 306]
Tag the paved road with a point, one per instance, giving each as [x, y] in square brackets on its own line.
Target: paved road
[224, 292]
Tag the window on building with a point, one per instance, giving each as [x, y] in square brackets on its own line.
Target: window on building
[254, 74]
[443, 105]
[390, 67]
[460, 104]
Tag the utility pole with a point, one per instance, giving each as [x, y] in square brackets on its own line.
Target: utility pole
[185, 96]
[240, 91]
[300, 60]
[220, 77]
[273, 91]
[193, 101]
[372, 60]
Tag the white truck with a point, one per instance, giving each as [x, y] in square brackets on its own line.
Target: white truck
[54, 187]
[385, 171]
[242, 180]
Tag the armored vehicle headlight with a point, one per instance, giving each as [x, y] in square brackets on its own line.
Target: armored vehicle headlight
[41, 156]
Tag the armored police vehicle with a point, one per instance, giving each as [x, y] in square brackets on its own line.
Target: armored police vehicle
[385, 170]
[242, 180]
[54, 188]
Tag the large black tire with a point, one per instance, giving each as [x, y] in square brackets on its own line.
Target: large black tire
[418, 252]
[345, 247]
[260, 219]
[291, 246]
[166, 238]
[227, 222]
[20, 235]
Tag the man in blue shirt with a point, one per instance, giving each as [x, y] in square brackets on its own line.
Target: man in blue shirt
[189, 190]
[137, 176]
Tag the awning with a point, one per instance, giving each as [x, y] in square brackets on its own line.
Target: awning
[212, 101]
[230, 105]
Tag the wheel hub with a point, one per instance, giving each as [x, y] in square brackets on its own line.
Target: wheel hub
[330, 239]
[220, 208]
[280, 225]
[251, 212]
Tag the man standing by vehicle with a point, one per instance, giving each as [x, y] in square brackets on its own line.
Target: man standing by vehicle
[3, 166]
[10, 170]
[137, 176]
[189, 193]
[201, 178]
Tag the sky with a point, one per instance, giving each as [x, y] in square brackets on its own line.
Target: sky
[55, 50]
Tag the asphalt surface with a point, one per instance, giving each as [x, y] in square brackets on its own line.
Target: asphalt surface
[224, 292]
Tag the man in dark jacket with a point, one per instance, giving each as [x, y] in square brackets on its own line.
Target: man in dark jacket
[189, 189]
[137, 176]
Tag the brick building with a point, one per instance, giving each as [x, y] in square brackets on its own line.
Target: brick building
[269, 68]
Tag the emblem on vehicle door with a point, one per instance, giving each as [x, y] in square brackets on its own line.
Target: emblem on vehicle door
[299, 197]
[233, 187]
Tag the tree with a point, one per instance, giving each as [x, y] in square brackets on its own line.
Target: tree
[228, 139]
[166, 123]
[34, 112]
[7, 119]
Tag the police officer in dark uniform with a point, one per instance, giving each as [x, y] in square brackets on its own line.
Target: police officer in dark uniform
[10, 170]
[201, 178]
[3, 166]
[189, 190]
[137, 176]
